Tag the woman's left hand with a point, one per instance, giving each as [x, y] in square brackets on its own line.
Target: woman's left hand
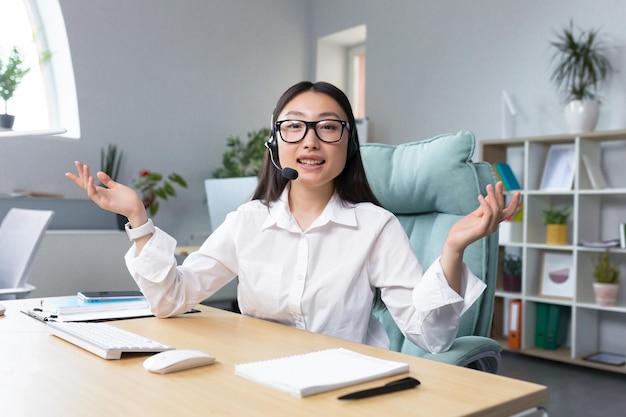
[484, 220]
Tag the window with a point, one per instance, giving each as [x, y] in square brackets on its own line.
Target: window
[36, 26]
[341, 59]
[356, 79]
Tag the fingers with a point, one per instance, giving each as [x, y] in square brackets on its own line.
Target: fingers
[513, 207]
[492, 208]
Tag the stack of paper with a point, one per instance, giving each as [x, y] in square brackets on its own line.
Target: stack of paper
[321, 371]
[73, 308]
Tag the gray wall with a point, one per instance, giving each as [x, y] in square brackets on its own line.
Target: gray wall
[170, 80]
[167, 81]
[440, 66]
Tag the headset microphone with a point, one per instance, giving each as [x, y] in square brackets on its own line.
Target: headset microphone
[288, 173]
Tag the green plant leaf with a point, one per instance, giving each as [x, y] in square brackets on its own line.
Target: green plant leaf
[243, 159]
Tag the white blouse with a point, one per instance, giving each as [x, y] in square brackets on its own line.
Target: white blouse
[322, 279]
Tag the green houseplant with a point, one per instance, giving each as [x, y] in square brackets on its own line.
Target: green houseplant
[243, 159]
[153, 185]
[12, 71]
[110, 161]
[553, 215]
[234, 182]
[512, 272]
[555, 220]
[580, 65]
[606, 280]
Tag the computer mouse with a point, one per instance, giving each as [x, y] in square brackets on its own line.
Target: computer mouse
[177, 360]
[1, 309]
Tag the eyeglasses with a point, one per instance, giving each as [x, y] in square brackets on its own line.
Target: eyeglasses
[328, 130]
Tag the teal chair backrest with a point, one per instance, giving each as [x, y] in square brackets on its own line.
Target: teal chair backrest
[429, 185]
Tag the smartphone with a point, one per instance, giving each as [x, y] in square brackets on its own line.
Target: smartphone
[109, 295]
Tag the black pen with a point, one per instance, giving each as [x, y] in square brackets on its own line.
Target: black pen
[393, 386]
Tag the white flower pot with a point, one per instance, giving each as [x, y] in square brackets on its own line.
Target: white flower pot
[606, 294]
[225, 195]
[582, 115]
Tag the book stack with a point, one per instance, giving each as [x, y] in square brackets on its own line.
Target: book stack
[73, 308]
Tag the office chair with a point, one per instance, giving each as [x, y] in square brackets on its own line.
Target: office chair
[21, 232]
[429, 185]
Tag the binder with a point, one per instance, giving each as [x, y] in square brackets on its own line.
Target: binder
[541, 325]
[497, 324]
[556, 328]
[515, 324]
[508, 178]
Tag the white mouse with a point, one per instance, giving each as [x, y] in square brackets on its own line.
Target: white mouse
[177, 360]
[1, 309]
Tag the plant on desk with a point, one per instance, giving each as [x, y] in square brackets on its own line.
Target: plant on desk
[606, 276]
[555, 220]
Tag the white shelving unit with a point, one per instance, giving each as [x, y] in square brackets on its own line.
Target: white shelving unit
[596, 214]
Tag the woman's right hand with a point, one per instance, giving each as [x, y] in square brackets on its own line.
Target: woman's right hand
[114, 196]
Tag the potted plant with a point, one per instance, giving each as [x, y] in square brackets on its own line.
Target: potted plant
[234, 182]
[152, 186]
[11, 73]
[512, 272]
[110, 161]
[243, 159]
[555, 220]
[581, 64]
[606, 276]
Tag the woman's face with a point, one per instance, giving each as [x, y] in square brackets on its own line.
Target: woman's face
[318, 163]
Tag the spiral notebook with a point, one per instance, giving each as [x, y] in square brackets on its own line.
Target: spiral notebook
[316, 372]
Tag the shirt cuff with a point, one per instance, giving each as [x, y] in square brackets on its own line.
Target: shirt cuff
[155, 257]
[432, 290]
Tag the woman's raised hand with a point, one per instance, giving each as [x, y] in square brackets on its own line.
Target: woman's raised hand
[114, 196]
[485, 219]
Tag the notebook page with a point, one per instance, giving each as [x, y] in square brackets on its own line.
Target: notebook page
[320, 371]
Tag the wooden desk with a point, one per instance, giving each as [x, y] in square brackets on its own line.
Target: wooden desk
[185, 250]
[43, 375]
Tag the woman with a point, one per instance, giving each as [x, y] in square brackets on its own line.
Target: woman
[311, 251]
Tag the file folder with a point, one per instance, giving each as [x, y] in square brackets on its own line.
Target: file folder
[553, 332]
[515, 324]
[541, 325]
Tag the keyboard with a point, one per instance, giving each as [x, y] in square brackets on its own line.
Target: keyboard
[104, 340]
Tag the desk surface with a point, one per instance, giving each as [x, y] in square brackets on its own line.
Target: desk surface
[43, 375]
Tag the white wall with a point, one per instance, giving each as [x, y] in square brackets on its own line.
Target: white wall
[170, 80]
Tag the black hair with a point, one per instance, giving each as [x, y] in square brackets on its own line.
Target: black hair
[351, 184]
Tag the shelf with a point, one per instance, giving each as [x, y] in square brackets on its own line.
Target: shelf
[562, 355]
[595, 216]
[26, 133]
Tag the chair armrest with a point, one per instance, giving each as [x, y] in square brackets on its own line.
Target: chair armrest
[476, 352]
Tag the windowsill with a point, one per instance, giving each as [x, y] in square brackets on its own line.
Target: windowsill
[24, 133]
